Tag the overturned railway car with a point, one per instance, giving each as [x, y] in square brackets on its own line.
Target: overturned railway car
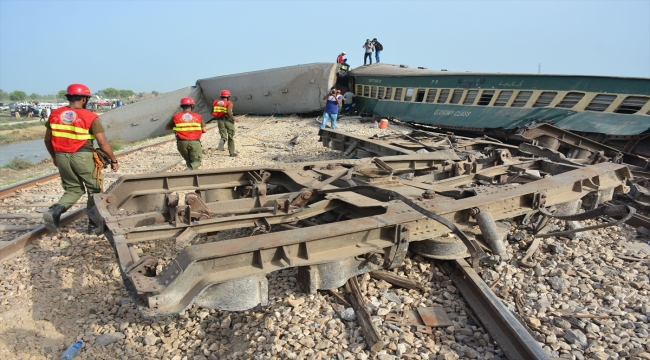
[610, 110]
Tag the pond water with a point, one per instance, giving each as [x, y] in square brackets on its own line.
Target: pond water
[31, 150]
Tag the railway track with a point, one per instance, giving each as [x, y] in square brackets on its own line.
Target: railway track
[513, 337]
[29, 195]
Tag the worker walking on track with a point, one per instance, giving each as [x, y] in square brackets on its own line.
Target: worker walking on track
[189, 127]
[222, 112]
[69, 140]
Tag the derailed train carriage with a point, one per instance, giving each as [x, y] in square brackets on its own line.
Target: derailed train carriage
[613, 111]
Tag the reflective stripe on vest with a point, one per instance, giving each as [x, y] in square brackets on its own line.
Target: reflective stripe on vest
[219, 109]
[187, 127]
[79, 133]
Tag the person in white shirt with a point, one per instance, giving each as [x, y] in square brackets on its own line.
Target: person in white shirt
[369, 49]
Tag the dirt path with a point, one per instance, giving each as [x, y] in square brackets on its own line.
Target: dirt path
[29, 133]
[20, 122]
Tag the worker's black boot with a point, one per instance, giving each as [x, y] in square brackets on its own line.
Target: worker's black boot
[221, 143]
[92, 228]
[52, 217]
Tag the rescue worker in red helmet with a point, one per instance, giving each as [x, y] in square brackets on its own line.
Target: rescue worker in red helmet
[222, 112]
[189, 127]
[69, 140]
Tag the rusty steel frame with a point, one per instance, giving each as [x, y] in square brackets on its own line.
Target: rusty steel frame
[542, 140]
[580, 147]
[580, 143]
[23, 243]
[390, 145]
[375, 233]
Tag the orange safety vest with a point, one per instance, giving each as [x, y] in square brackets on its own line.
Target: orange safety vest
[220, 108]
[70, 128]
[187, 125]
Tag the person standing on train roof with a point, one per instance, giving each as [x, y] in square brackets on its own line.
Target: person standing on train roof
[369, 48]
[222, 112]
[378, 48]
[189, 127]
[69, 140]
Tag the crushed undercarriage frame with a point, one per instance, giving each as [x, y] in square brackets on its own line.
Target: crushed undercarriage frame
[383, 207]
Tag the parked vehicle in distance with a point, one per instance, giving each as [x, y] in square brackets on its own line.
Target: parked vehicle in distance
[24, 110]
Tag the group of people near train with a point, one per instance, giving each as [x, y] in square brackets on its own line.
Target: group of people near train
[72, 129]
[335, 102]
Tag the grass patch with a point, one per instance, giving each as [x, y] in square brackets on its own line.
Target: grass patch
[20, 126]
[118, 144]
[5, 138]
[18, 164]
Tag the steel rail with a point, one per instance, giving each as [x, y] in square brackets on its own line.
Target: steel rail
[23, 243]
[509, 333]
[639, 220]
[6, 191]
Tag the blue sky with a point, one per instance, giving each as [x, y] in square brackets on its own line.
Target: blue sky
[167, 45]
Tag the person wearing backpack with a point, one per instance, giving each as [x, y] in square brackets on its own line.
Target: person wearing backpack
[378, 48]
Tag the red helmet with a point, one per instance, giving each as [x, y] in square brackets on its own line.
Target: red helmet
[338, 91]
[78, 89]
[187, 101]
[225, 93]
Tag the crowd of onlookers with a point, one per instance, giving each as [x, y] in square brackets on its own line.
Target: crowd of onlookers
[32, 109]
[42, 109]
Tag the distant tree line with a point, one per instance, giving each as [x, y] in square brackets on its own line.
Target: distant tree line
[109, 93]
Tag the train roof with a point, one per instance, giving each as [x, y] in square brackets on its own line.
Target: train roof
[383, 69]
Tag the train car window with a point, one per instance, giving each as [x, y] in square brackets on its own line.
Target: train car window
[444, 95]
[398, 94]
[373, 92]
[570, 100]
[420, 97]
[381, 92]
[503, 98]
[545, 98]
[359, 87]
[631, 104]
[522, 98]
[471, 96]
[432, 95]
[600, 103]
[409, 94]
[389, 94]
[456, 96]
[486, 97]
[366, 90]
